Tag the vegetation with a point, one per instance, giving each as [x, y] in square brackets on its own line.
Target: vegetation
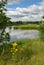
[29, 26]
[17, 23]
[3, 22]
[42, 30]
[26, 22]
[23, 52]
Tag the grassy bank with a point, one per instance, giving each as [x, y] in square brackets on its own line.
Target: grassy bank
[23, 52]
[30, 26]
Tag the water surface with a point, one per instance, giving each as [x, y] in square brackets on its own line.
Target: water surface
[22, 34]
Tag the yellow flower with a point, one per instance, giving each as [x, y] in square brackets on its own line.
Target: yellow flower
[12, 53]
[14, 44]
[11, 50]
[16, 49]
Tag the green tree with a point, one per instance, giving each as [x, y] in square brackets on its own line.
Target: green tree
[3, 22]
[42, 30]
[43, 17]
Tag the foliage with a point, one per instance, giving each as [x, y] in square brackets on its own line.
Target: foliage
[29, 52]
[42, 30]
[43, 17]
[30, 26]
[3, 21]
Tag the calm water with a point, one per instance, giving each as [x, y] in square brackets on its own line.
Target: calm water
[22, 34]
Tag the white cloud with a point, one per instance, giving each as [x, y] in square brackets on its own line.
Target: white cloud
[31, 13]
[0, 0]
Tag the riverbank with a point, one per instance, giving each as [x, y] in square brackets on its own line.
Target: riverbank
[29, 26]
[23, 52]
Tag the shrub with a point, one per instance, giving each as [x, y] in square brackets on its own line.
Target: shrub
[42, 31]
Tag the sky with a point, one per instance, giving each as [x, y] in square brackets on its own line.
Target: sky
[25, 10]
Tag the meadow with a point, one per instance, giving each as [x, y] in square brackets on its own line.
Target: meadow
[23, 52]
[20, 52]
[28, 26]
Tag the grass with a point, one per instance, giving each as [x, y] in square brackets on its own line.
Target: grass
[42, 31]
[24, 52]
[31, 26]
[30, 52]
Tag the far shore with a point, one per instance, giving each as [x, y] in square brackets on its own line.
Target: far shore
[32, 26]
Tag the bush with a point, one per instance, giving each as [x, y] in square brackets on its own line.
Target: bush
[42, 31]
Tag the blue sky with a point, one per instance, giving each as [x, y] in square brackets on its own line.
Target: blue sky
[25, 10]
[24, 3]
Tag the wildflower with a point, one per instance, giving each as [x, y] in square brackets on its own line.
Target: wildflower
[14, 44]
[11, 50]
[12, 53]
[16, 49]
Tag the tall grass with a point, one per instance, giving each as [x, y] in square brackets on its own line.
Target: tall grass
[42, 31]
[24, 52]
[30, 52]
[32, 26]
